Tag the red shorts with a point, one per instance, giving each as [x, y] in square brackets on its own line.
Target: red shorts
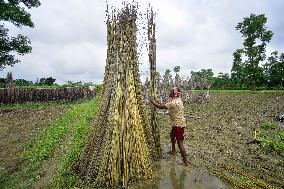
[178, 132]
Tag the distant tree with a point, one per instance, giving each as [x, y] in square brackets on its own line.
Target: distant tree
[281, 62]
[42, 81]
[208, 74]
[239, 76]
[47, 81]
[176, 69]
[274, 70]
[201, 79]
[256, 36]
[167, 74]
[225, 77]
[167, 79]
[14, 11]
[22, 82]
[177, 76]
[50, 81]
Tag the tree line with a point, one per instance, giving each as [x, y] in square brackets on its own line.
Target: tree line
[251, 68]
[48, 82]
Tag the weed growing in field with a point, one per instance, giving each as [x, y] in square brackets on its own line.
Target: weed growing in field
[65, 176]
[281, 135]
[271, 139]
[275, 145]
[267, 125]
[7, 180]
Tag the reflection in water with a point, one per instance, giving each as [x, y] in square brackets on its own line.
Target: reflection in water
[177, 183]
[169, 174]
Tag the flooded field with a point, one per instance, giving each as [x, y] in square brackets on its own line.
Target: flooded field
[170, 174]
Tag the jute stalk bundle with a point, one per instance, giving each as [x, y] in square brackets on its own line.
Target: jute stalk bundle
[121, 148]
[153, 75]
[20, 95]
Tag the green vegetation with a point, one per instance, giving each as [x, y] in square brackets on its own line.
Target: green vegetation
[75, 123]
[47, 83]
[281, 135]
[256, 37]
[271, 139]
[6, 179]
[267, 125]
[65, 176]
[251, 69]
[271, 144]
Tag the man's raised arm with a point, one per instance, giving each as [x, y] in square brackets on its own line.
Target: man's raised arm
[158, 105]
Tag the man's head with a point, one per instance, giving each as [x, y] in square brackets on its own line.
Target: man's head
[175, 92]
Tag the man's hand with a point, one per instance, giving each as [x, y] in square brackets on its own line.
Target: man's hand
[156, 104]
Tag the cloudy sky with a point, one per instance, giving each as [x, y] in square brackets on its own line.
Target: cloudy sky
[69, 38]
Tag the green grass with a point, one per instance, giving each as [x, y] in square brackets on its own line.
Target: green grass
[6, 180]
[65, 176]
[269, 138]
[281, 135]
[267, 125]
[75, 122]
[271, 144]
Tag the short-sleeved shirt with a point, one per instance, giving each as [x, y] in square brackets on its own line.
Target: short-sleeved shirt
[176, 111]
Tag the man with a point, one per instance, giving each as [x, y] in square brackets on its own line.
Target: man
[176, 111]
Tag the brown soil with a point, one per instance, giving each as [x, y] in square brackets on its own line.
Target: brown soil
[219, 143]
[16, 127]
[220, 135]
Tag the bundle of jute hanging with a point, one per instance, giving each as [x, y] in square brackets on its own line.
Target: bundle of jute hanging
[153, 75]
[20, 95]
[121, 147]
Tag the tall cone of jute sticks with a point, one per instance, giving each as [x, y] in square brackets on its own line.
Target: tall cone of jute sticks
[121, 148]
[153, 75]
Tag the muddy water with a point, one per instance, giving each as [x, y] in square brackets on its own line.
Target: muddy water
[170, 174]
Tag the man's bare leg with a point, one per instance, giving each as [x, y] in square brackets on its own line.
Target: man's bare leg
[182, 152]
[173, 140]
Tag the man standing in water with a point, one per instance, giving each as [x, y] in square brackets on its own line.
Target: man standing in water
[176, 111]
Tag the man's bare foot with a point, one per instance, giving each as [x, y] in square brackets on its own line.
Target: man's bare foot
[171, 152]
